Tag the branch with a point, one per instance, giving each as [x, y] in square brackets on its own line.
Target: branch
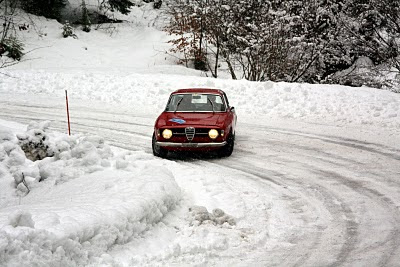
[34, 49]
[166, 52]
[7, 64]
[24, 182]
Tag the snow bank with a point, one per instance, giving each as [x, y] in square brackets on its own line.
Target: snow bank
[140, 93]
[89, 200]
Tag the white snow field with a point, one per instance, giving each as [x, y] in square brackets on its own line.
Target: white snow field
[313, 180]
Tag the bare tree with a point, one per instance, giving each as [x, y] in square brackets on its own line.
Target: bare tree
[10, 47]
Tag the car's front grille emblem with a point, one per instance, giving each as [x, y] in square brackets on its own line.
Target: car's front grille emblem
[189, 131]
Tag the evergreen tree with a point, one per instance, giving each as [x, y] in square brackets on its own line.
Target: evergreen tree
[157, 4]
[12, 48]
[85, 18]
[47, 8]
[121, 6]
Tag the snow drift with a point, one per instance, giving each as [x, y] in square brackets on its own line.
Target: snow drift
[89, 199]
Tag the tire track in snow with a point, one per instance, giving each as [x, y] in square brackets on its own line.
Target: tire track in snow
[326, 186]
[392, 241]
[317, 239]
[348, 142]
[352, 240]
[62, 117]
[351, 225]
[293, 202]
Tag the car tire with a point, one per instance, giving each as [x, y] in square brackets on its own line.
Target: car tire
[157, 150]
[227, 150]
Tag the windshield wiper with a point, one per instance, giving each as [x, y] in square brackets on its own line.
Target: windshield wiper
[177, 105]
[211, 104]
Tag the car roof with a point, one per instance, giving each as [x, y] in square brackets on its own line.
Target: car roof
[199, 90]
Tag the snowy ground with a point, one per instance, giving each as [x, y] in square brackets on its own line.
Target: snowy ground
[313, 181]
[301, 193]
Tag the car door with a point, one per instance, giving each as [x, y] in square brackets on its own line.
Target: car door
[231, 113]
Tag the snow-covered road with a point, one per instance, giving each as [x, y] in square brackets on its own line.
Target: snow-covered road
[303, 194]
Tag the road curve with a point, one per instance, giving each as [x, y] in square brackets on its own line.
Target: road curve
[334, 200]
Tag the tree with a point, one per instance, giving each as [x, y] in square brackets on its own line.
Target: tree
[11, 49]
[85, 18]
[256, 35]
[68, 31]
[121, 6]
[188, 27]
[296, 41]
[47, 8]
[375, 29]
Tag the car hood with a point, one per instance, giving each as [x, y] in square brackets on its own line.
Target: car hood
[192, 119]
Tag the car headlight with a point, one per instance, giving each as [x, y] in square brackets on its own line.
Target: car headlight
[167, 133]
[213, 133]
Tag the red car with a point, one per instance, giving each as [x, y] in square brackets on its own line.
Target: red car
[195, 120]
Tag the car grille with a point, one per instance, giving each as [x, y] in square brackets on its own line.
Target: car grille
[198, 131]
[190, 131]
[192, 134]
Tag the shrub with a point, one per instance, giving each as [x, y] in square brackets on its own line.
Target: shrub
[157, 4]
[35, 144]
[68, 31]
[12, 48]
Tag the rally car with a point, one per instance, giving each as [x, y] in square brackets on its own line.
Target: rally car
[195, 120]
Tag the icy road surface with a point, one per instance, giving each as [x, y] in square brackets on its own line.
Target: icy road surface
[303, 194]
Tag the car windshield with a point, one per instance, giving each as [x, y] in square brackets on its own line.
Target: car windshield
[196, 103]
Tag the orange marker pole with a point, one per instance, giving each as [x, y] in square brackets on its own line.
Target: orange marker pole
[69, 126]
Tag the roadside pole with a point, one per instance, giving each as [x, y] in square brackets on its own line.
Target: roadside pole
[66, 99]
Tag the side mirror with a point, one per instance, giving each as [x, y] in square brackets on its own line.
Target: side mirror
[232, 109]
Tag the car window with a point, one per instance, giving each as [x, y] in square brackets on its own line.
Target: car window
[196, 103]
[226, 98]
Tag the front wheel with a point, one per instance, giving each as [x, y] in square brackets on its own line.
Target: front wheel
[157, 150]
[227, 150]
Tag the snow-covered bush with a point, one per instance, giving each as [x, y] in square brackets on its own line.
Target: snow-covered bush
[364, 73]
[68, 31]
[38, 155]
[35, 142]
[12, 48]
[157, 4]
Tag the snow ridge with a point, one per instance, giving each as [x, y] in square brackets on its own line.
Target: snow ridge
[89, 199]
[147, 94]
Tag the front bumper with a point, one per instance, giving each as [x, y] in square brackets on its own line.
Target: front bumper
[190, 145]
